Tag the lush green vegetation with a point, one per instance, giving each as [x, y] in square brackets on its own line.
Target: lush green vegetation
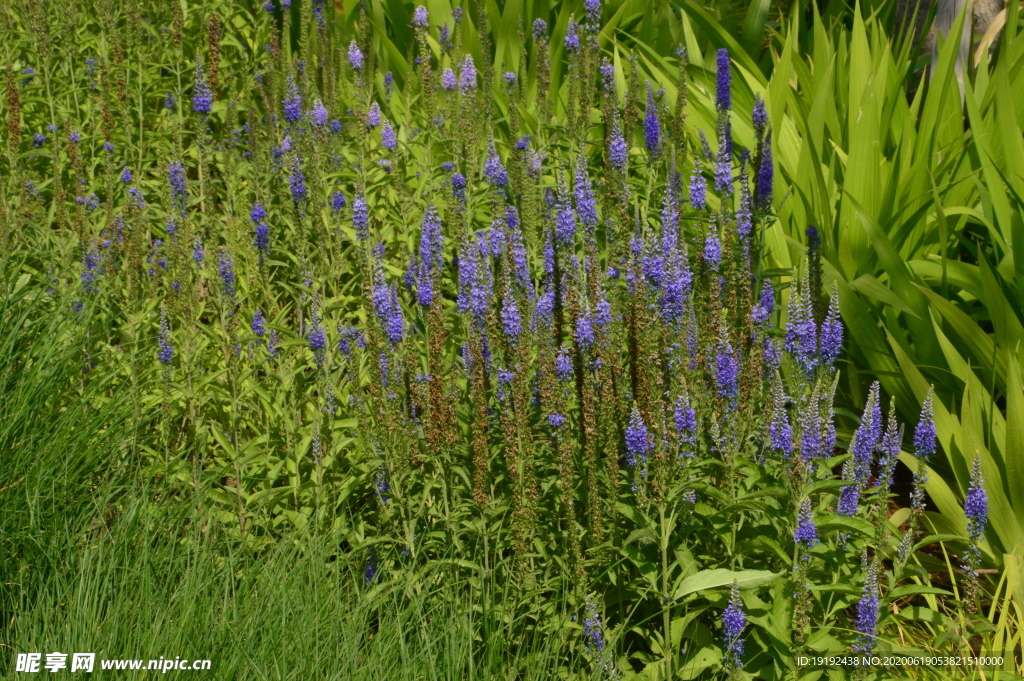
[323, 361]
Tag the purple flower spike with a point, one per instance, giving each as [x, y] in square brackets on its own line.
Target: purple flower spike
[586, 204]
[565, 220]
[652, 128]
[459, 186]
[638, 443]
[494, 171]
[202, 98]
[618, 151]
[448, 81]
[258, 324]
[419, 17]
[337, 202]
[733, 622]
[801, 332]
[467, 75]
[563, 364]
[867, 610]
[976, 502]
[780, 433]
[723, 80]
[925, 435]
[712, 250]
[431, 256]
[318, 115]
[226, 269]
[806, 533]
[297, 182]
[759, 116]
[355, 56]
[698, 190]
[373, 116]
[165, 351]
[727, 368]
[831, 334]
[584, 331]
[292, 102]
[388, 137]
[572, 37]
[361, 217]
[763, 186]
[685, 419]
[762, 312]
[261, 239]
[510, 320]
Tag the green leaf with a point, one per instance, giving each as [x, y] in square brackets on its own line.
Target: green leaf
[838, 522]
[753, 25]
[922, 614]
[914, 590]
[719, 577]
[1013, 451]
[937, 538]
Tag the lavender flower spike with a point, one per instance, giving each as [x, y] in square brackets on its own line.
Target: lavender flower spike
[510, 320]
[467, 75]
[723, 81]
[618, 151]
[494, 171]
[165, 353]
[586, 204]
[637, 440]
[318, 115]
[388, 137]
[292, 102]
[419, 17]
[373, 116]
[226, 269]
[652, 128]
[831, 335]
[448, 81]
[765, 171]
[867, 610]
[976, 502]
[361, 217]
[924, 434]
[698, 190]
[733, 622]
[572, 37]
[801, 332]
[202, 98]
[780, 433]
[759, 116]
[355, 56]
[805, 532]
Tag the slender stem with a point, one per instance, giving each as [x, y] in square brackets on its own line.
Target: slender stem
[666, 613]
[234, 424]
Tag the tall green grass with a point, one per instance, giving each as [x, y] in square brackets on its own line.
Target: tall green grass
[155, 586]
[96, 558]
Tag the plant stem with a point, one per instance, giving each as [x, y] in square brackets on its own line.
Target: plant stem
[666, 614]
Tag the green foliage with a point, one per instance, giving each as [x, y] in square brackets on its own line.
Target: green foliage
[224, 493]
